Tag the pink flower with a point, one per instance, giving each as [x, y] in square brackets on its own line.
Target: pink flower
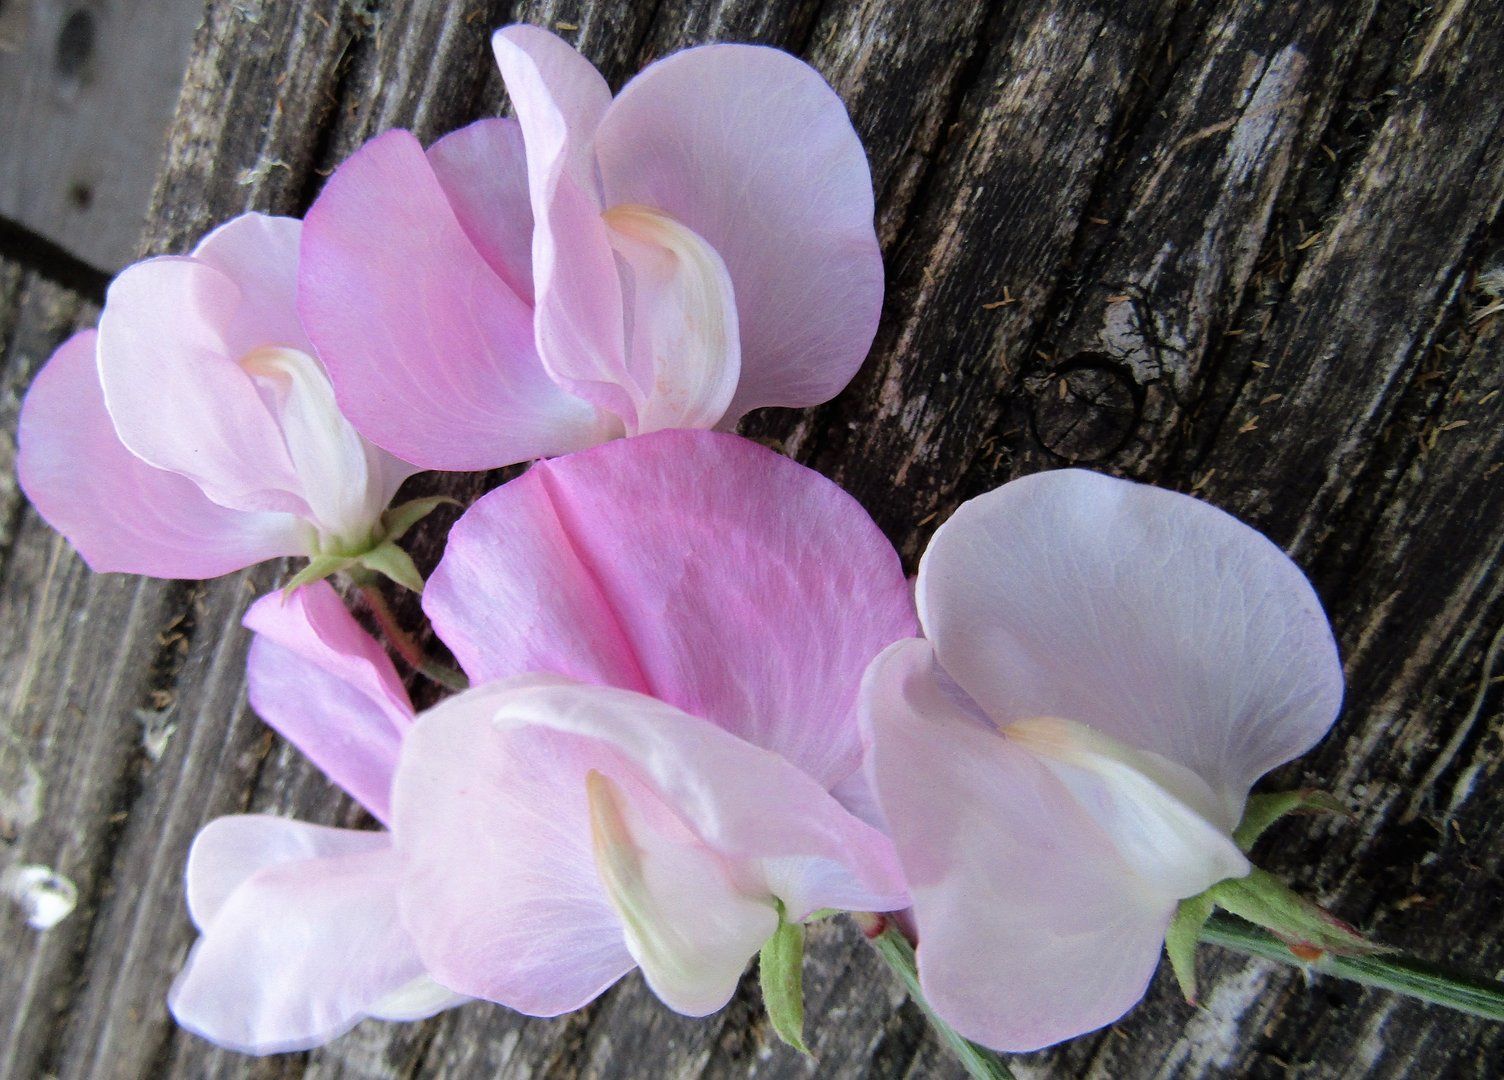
[679, 623]
[1108, 669]
[301, 936]
[701, 246]
[196, 433]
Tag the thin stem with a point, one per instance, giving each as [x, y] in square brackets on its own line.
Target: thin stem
[1403, 975]
[894, 948]
[405, 645]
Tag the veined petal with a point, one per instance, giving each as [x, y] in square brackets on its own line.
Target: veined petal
[120, 513]
[559, 99]
[298, 950]
[701, 568]
[683, 350]
[328, 688]
[667, 858]
[1150, 616]
[431, 352]
[753, 151]
[178, 397]
[1032, 928]
[1156, 812]
[483, 170]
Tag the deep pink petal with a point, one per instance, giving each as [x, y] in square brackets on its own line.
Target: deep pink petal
[430, 351]
[750, 148]
[176, 391]
[559, 99]
[299, 950]
[494, 786]
[328, 688]
[482, 168]
[1151, 616]
[700, 568]
[119, 512]
[1031, 927]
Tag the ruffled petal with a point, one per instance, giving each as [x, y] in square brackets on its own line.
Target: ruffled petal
[482, 168]
[1148, 615]
[699, 568]
[176, 391]
[1031, 927]
[750, 148]
[120, 513]
[618, 823]
[329, 689]
[300, 948]
[430, 351]
[559, 99]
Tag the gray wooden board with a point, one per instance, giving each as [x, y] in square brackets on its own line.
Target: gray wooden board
[1240, 248]
[86, 93]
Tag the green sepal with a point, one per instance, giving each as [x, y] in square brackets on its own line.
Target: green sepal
[391, 561]
[780, 968]
[1180, 941]
[319, 567]
[1263, 811]
[1264, 900]
[396, 521]
[821, 914]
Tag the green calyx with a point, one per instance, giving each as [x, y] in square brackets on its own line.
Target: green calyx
[780, 969]
[1307, 929]
[378, 555]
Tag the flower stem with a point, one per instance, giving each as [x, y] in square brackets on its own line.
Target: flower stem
[1401, 974]
[894, 948]
[405, 645]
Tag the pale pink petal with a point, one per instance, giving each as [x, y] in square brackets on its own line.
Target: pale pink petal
[700, 568]
[751, 149]
[121, 513]
[482, 168]
[259, 252]
[501, 893]
[676, 853]
[430, 351]
[301, 949]
[328, 688]
[1151, 616]
[559, 99]
[229, 851]
[177, 394]
[1031, 927]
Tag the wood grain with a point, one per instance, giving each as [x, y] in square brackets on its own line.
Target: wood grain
[1246, 248]
[86, 92]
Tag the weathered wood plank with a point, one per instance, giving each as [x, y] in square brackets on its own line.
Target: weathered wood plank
[1174, 153]
[86, 93]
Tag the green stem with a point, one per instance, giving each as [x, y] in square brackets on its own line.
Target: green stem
[1402, 975]
[405, 645]
[894, 948]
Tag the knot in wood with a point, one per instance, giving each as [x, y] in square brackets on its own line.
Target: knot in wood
[1085, 409]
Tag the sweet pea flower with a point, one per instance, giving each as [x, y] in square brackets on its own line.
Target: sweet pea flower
[195, 432]
[700, 246]
[301, 936]
[1107, 668]
[656, 770]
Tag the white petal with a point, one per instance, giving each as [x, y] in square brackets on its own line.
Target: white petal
[1150, 616]
[683, 348]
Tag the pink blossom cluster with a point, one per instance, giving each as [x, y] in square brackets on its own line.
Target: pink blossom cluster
[705, 702]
